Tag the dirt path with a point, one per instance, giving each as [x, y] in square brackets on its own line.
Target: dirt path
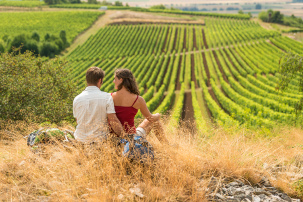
[188, 112]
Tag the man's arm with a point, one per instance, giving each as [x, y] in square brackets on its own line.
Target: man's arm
[115, 124]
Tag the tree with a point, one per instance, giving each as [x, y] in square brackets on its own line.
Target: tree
[36, 36]
[158, 7]
[240, 12]
[258, 7]
[118, 3]
[49, 49]
[291, 66]
[18, 42]
[92, 2]
[2, 46]
[34, 89]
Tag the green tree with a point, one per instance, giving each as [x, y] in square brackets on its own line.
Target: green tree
[92, 1]
[158, 7]
[49, 49]
[291, 66]
[34, 89]
[2, 46]
[118, 3]
[18, 42]
[240, 12]
[36, 36]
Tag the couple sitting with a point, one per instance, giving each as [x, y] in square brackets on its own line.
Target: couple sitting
[97, 112]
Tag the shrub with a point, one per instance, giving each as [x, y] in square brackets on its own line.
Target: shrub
[32, 46]
[36, 36]
[2, 47]
[17, 42]
[49, 49]
[34, 89]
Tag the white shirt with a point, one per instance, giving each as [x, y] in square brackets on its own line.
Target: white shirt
[90, 108]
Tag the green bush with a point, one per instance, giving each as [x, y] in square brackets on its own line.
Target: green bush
[34, 89]
[2, 47]
[49, 49]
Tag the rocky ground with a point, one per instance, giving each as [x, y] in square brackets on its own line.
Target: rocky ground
[237, 191]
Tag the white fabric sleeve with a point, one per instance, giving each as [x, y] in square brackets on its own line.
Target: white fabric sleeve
[110, 108]
[74, 107]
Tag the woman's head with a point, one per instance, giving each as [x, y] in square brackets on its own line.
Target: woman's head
[125, 78]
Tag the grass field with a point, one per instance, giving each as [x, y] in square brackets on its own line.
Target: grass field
[73, 22]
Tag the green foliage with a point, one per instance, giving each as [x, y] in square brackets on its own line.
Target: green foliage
[2, 46]
[298, 185]
[158, 7]
[36, 36]
[118, 3]
[291, 65]
[271, 16]
[22, 3]
[34, 89]
[73, 22]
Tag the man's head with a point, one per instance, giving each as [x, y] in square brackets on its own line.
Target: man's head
[94, 76]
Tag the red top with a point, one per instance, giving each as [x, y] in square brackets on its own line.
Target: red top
[126, 116]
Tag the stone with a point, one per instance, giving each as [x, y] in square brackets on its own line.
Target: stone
[233, 184]
[120, 197]
[246, 200]
[256, 199]
[239, 191]
[285, 197]
[136, 191]
[260, 191]
[240, 197]
[219, 196]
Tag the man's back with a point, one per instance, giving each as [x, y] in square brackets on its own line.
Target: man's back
[90, 109]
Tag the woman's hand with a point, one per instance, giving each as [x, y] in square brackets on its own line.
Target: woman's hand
[156, 117]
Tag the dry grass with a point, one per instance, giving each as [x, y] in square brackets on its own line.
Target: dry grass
[180, 172]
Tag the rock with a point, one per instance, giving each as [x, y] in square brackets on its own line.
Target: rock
[246, 200]
[271, 190]
[260, 191]
[120, 197]
[22, 163]
[136, 191]
[285, 197]
[233, 184]
[256, 199]
[295, 200]
[240, 197]
[212, 184]
[239, 191]
[219, 196]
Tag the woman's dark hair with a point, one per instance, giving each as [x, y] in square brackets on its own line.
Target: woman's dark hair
[129, 81]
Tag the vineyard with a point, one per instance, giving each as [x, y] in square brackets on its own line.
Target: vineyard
[228, 67]
[73, 22]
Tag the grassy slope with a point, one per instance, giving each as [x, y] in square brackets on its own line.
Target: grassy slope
[179, 172]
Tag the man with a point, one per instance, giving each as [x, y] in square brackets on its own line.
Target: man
[93, 109]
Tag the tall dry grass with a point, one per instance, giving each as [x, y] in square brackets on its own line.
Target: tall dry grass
[180, 172]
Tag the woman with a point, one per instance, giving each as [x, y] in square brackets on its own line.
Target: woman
[127, 103]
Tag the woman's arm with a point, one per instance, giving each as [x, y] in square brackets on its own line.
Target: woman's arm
[145, 111]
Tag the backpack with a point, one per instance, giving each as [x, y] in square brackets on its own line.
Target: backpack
[48, 135]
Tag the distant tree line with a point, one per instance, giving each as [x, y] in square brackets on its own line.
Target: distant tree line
[48, 46]
[104, 2]
[277, 17]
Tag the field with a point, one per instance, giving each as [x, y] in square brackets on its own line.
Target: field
[214, 80]
[73, 22]
[237, 80]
